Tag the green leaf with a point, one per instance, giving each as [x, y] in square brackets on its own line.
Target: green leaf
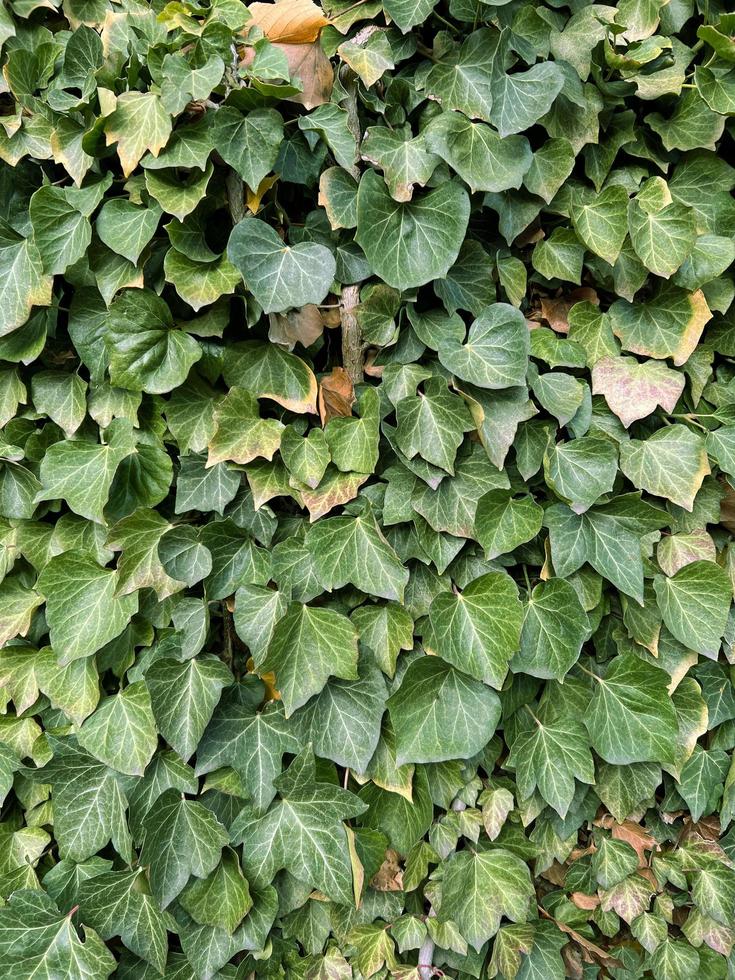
[279, 275]
[127, 228]
[248, 142]
[61, 231]
[671, 463]
[252, 742]
[353, 442]
[479, 889]
[181, 838]
[50, 945]
[496, 352]
[386, 629]
[302, 832]
[89, 804]
[431, 425]
[83, 609]
[353, 550]
[240, 435]
[581, 470]
[81, 472]
[694, 604]
[268, 371]
[554, 628]
[222, 899]
[139, 123]
[476, 152]
[463, 81]
[404, 159]
[440, 713]
[122, 731]
[61, 397]
[146, 351]
[631, 717]
[602, 223]
[200, 283]
[308, 646]
[549, 753]
[504, 522]
[183, 697]
[343, 720]
[23, 282]
[668, 324]
[409, 244]
[119, 904]
[662, 239]
[479, 629]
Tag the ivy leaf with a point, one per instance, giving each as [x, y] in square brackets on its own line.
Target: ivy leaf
[49, 945]
[222, 899]
[343, 720]
[404, 159]
[668, 324]
[694, 604]
[386, 629]
[240, 435]
[252, 742]
[308, 646]
[671, 463]
[431, 425]
[520, 99]
[89, 804]
[147, 353]
[478, 630]
[496, 352]
[464, 80]
[181, 838]
[602, 223]
[478, 889]
[440, 713]
[302, 832]
[127, 228]
[480, 157]
[183, 697]
[631, 717]
[634, 390]
[122, 731]
[83, 609]
[138, 124]
[279, 275]
[268, 371]
[581, 470]
[248, 142]
[119, 904]
[550, 752]
[82, 472]
[23, 282]
[554, 628]
[504, 522]
[409, 244]
[662, 239]
[353, 550]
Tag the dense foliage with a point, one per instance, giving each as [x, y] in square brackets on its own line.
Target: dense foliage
[367, 383]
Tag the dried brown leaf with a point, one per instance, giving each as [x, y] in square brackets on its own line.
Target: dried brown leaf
[336, 395]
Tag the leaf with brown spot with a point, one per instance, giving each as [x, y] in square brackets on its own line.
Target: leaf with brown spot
[302, 326]
[309, 64]
[556, 310]
[389, 876]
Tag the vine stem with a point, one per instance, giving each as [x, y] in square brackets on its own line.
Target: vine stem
[426, 953]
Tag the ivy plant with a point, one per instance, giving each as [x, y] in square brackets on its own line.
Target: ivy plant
[367, 489]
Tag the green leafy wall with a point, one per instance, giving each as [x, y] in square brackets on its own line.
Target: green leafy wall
[367, 391]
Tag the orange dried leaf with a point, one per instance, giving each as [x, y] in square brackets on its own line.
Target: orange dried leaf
[289, 21]
[336, 395]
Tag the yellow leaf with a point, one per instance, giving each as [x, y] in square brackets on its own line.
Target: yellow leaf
[290, 21]
[253, 198]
